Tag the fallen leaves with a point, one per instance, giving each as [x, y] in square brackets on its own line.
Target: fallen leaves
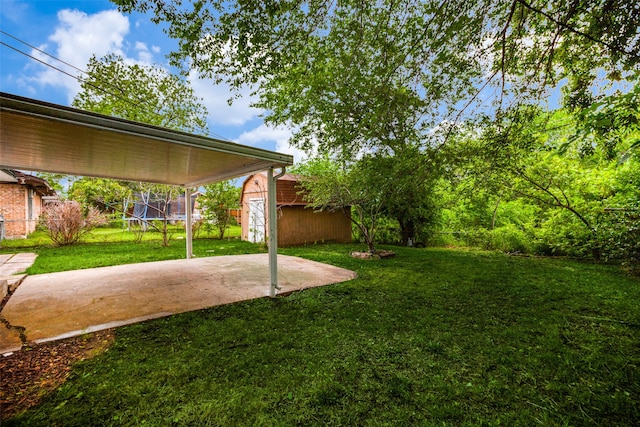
[29, 374]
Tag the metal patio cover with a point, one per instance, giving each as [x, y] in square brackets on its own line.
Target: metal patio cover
[39, 136]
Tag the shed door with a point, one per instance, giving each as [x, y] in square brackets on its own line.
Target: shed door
[257, 220]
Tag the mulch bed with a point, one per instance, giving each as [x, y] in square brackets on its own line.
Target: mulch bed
[26, 376]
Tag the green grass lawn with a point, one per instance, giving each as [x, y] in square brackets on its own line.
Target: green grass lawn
[431, 337]
[112, 246]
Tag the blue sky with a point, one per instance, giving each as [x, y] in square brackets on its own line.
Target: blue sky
[73, 31]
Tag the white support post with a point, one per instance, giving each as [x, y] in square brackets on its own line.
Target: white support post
[189, 221]
[273, 232]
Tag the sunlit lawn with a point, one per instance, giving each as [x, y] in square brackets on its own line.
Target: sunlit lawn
[431, 337]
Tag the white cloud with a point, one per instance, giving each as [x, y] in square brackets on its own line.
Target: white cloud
[144, 55]
[77, 37]
[215, 98]
[265, 135]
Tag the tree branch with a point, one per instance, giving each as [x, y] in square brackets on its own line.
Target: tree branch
[578, 32]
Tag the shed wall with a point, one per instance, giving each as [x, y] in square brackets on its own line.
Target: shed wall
[297, 225]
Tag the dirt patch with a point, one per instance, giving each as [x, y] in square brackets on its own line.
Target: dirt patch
[31, 373]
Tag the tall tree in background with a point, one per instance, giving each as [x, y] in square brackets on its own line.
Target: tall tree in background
[142, 93]
[147, 94]
[106, 195]
[356, 75]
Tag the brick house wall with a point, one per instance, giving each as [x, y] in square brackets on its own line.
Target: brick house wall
[21, 204]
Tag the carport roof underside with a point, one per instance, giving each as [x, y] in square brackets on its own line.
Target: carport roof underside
[38, 136]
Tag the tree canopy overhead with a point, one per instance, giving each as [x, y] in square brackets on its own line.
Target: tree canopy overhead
[358, 75]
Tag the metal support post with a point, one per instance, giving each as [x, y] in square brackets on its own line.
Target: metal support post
[189, 222]
[273, 229]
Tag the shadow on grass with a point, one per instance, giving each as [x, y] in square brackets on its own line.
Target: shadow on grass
[431, 337]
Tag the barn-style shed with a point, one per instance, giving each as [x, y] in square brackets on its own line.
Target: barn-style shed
[297, 224]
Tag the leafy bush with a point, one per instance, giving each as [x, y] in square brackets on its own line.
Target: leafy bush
[509, 239]
[388, 231]
[65, 223]
[619, 238]
[562, 234]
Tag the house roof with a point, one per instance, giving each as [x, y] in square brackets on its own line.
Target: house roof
[39, 136]
[39, 185]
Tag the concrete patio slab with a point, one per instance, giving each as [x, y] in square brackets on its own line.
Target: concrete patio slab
[59, 305]
[13, 281]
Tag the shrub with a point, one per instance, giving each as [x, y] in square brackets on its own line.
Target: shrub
[65, 223]
[509, 239]
[619, 238]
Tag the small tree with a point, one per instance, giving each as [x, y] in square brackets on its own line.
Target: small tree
[66, 223]
[357, 189]
[157, 198]
[216, 202]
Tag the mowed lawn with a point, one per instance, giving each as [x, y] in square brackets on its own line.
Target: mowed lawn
[431, 337]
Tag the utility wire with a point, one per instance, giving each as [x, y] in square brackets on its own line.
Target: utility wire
[140, 103]
[41, 51]
[39, 60]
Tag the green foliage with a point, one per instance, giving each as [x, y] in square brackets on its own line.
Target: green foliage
[619, 237]
[391, 196]
[142, 93]
[54, 180]
[215, 203]
[430, 337]
[530, 173]
[360, 76]
[330, 185]
[106, 195]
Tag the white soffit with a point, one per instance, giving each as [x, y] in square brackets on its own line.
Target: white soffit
[38, 136]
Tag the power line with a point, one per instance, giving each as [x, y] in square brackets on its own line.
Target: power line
[41, 51]
[140, 104]
[39, 60]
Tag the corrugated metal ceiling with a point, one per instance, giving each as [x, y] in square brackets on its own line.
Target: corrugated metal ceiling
[39, 136]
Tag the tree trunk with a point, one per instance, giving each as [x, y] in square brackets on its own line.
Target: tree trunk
[407, 231]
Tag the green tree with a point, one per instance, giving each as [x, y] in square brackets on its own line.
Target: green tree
[54, 180]
[356, 188]
[376, 189]
[534, 162]
[357, 75]
[147, 94]
[216, 202]
[408, 197]
[143, 93]
[106, 195]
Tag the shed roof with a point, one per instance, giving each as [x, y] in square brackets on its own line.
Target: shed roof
[40, 136]
[288, 190]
